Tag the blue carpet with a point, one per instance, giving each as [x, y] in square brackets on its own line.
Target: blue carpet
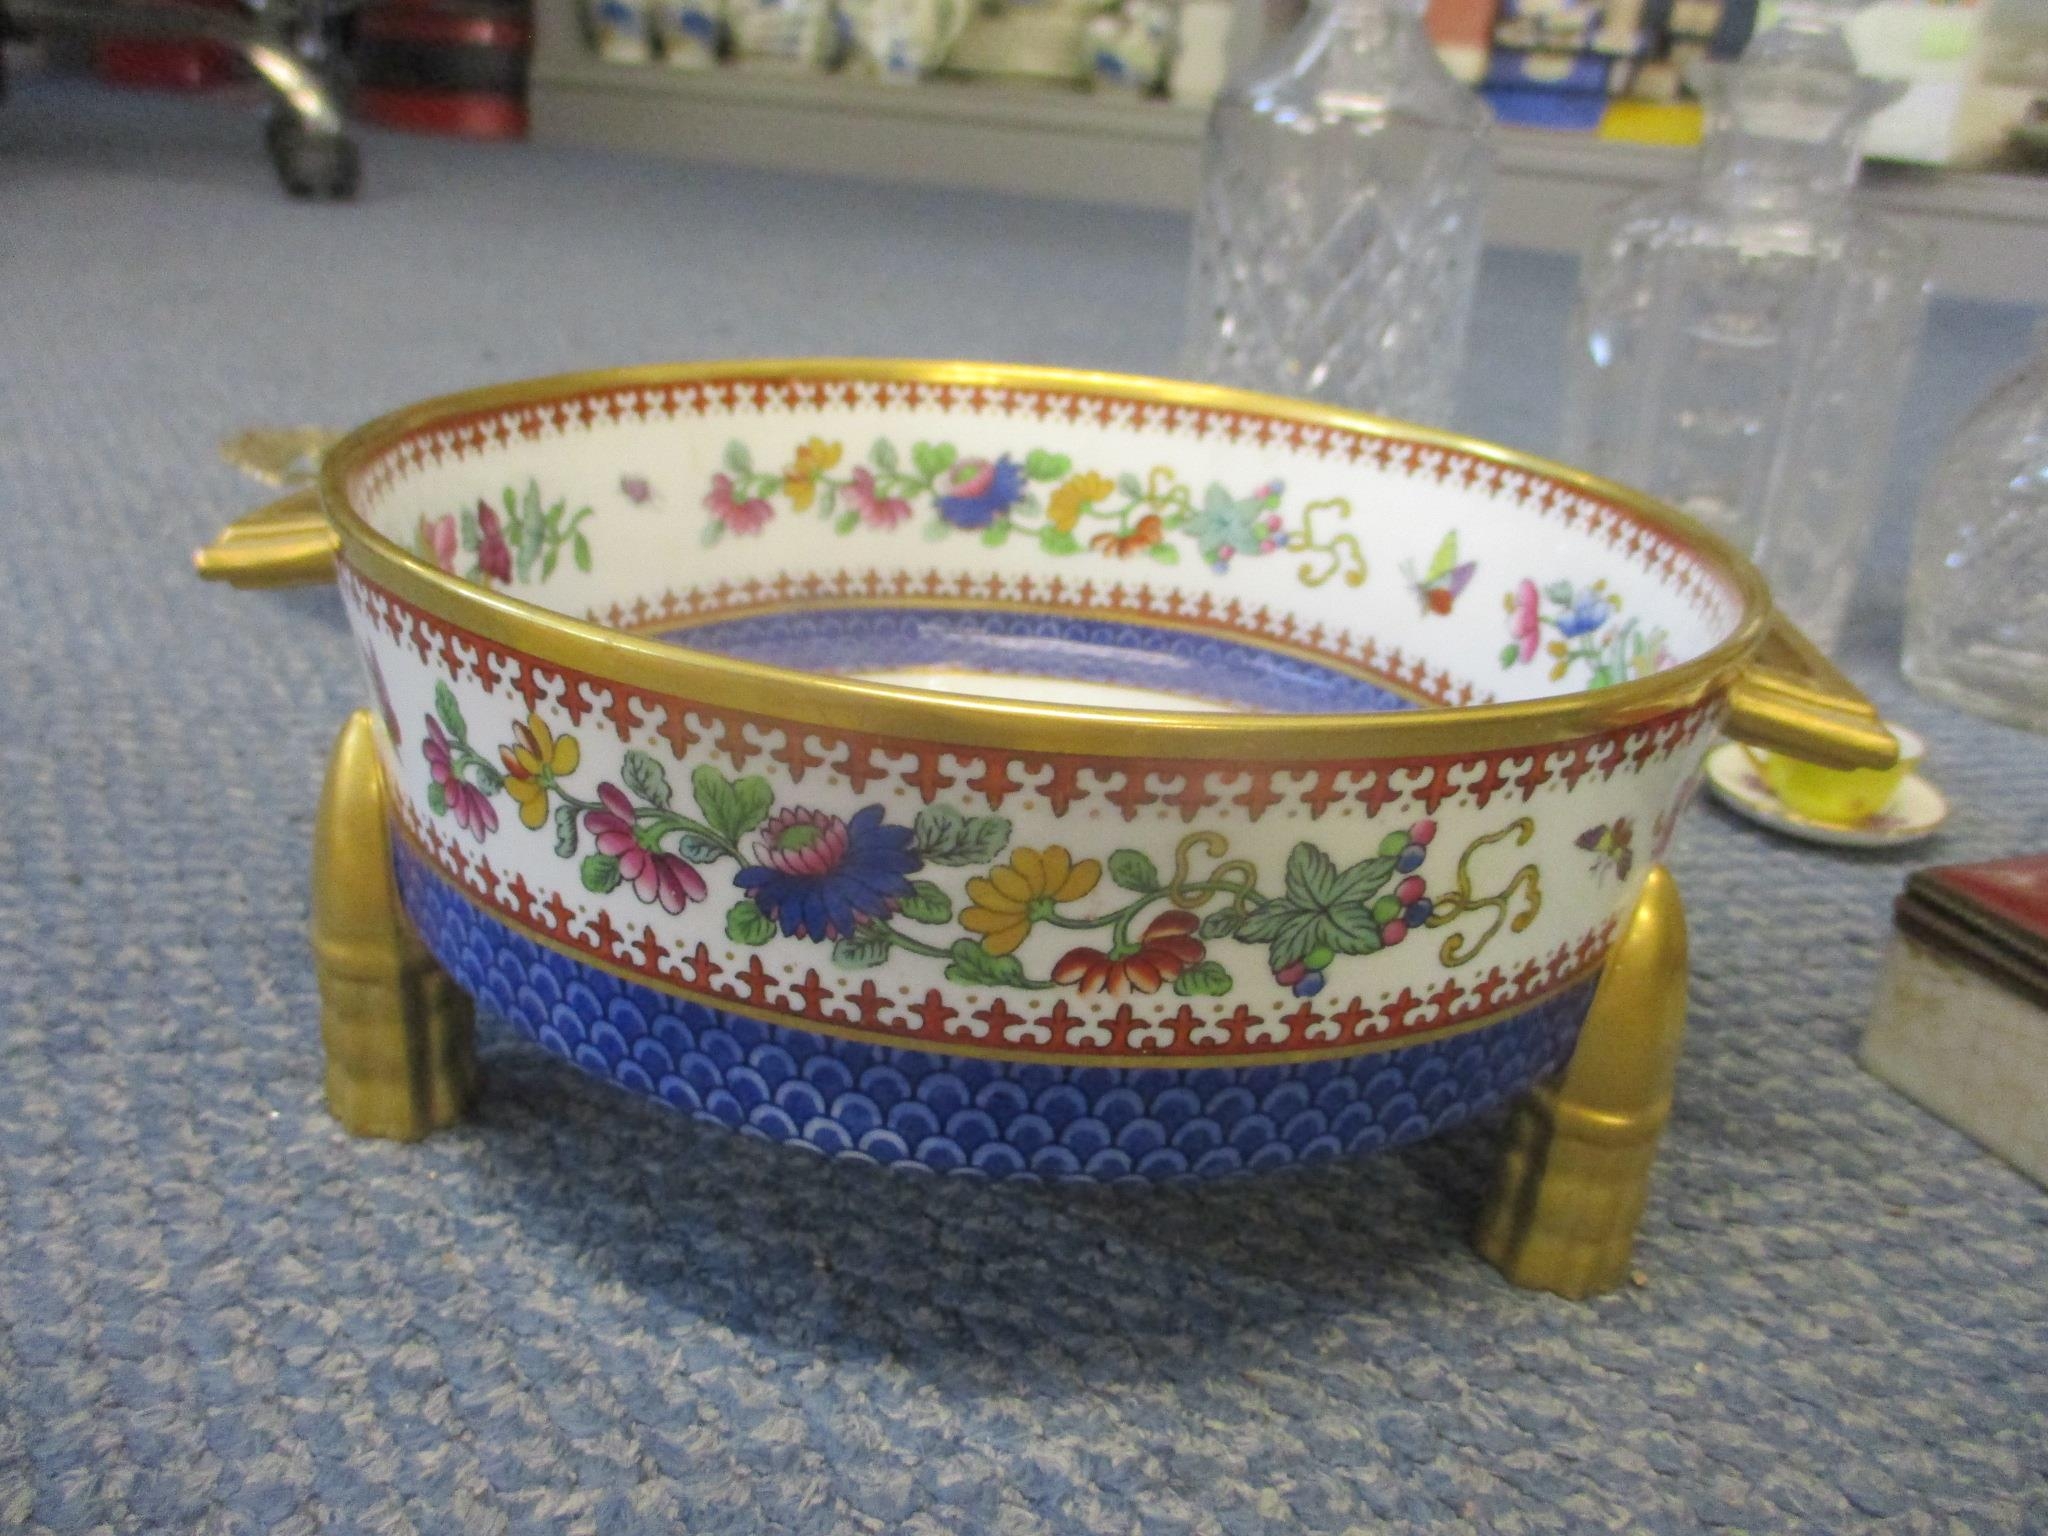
[578, 1313]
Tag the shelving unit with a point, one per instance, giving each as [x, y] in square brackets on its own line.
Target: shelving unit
[1991, 230]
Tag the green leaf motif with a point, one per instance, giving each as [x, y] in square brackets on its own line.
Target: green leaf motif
[713, 532]
[698, 849]
[944, 836]
[450, 712]
[883, 454]
[1350, 929]
[1363, 878]
[644, 776]
[579, 550]
[997, 533]
[1323, 908]
[926, 903]
[1264, 923]
[1209, 979]
[437, 799]
[1133, 871]
[868, 946]
[1311, 876]
[1165, 554]
[1040, 465]
[565, 831]
[1299, 933]
[848, 521]
[733, 808]
[1221, 925]
[1128, 484]
[737, 459]
[1510, 654]
[975, 966]
[746, 923]
[933, 459]
[600, 873]
[485, 777]
[1058, 541]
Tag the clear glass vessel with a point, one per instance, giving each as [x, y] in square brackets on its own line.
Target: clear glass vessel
[1977, 610]
[1742, 339]
[1337, 242]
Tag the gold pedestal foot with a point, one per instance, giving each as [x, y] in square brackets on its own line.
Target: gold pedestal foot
[401, 1058]
[1576, 1171]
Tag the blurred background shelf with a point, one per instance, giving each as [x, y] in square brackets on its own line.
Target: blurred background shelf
[1992, 228]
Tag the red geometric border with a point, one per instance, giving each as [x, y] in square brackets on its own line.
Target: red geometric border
[458, 436]
[1317, 1026]
[1065, 780]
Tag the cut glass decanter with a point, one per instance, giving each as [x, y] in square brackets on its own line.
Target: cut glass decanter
[1742, 340]
[1337, 241]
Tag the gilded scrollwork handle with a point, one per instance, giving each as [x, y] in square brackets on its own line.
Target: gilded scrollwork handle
[288, 543]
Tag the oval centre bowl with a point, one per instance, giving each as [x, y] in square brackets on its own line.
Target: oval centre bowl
[1017, 771]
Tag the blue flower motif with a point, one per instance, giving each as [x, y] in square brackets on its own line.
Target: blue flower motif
[821, 877]
[1588, 612]
[977, 492]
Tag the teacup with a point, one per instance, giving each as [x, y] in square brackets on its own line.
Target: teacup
[1844, 796]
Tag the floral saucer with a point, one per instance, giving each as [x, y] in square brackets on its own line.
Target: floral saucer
[1916, 811]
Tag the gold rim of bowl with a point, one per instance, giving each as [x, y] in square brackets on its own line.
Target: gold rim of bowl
[926, 715]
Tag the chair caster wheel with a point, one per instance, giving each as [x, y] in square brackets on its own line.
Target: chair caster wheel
[310, 164]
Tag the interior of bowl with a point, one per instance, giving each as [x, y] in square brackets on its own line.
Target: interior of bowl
[1071, 538]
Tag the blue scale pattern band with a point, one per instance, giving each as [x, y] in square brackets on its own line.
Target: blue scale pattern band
[928, 1112]
[1020, 643]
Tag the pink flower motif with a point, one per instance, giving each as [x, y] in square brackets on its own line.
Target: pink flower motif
[799, 842]
[472, 809]
[493, 554]
[655, 876]
[440, 540]
[1524, 623]
[440, 760]
[749, 516]
[876, 510]
[470, 806]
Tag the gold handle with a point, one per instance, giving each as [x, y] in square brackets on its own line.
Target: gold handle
[1792, 699]
[289, 543]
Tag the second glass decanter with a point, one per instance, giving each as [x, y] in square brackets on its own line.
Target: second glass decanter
[1742, 340]
[1337, 242]
[1977, 611]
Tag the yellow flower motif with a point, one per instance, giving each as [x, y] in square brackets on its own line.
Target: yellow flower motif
[1065, 506]
[535, 759]
[1017, 894]
[800, 480]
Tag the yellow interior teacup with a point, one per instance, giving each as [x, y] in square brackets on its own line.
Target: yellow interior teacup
[1843, 796]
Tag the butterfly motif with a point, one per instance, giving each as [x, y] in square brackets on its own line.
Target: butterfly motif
[1612, 846]
[1446, 578]
[636, 489]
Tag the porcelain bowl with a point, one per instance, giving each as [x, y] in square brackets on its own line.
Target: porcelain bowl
[1027, 773]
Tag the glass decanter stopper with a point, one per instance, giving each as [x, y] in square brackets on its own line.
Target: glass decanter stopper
[1977, 609]
[1742, 339]
[1337, 241]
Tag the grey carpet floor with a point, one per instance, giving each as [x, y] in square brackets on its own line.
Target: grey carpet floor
[581, 1314]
